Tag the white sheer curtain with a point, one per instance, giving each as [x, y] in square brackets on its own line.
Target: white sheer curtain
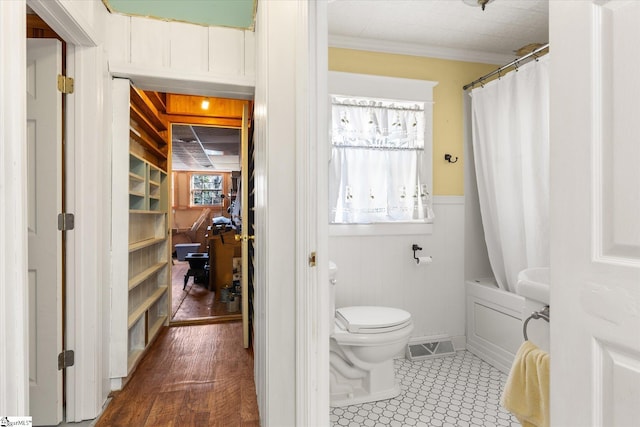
[376, 172]
[511, 145]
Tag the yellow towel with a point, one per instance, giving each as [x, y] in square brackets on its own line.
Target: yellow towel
[526, 393]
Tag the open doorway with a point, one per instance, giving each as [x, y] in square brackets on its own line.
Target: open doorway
[206, 263]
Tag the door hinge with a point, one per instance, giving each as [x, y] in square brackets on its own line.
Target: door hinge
[312, 259]
[65, 221]
[65, 84]
[66, 359]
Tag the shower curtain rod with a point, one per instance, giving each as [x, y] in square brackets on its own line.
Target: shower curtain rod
[515, 62]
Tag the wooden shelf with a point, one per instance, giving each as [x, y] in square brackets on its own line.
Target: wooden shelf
[147, 107]
[145, 243]
[142, 308]
[140, 277]
[155, 328]
[146, 142]
[148, 277]
[145, 212]
[135, 177]
[147, 127]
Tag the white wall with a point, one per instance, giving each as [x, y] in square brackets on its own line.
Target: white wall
[380, 270]
[177, 57]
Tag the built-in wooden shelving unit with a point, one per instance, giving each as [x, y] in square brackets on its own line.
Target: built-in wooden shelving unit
[141, 276]
[149, 276]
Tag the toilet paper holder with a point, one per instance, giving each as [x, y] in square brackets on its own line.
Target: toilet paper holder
[415, 248]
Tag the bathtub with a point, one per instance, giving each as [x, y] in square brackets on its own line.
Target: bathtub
[494, 323]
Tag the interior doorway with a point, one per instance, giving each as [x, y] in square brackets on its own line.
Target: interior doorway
[206, 160]
[206, 217]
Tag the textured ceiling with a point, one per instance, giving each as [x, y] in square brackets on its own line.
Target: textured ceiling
[204, 148]
[440, 28]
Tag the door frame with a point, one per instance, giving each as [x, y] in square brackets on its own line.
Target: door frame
[83, 320]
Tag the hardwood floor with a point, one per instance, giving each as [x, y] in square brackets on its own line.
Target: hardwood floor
[196, 301]
[196, 376]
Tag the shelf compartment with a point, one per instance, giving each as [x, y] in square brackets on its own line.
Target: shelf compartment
[143, 226]
[157, 316]
[137, 202]
[144, 274]
[145, 243]
[142, 308]
[136, 342]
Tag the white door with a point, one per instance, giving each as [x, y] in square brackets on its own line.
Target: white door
[44, 183]
[595, 213]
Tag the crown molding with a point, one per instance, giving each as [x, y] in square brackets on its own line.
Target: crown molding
[384, 46]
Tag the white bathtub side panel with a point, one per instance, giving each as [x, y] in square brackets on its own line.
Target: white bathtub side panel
[494, 324]
[380, 270]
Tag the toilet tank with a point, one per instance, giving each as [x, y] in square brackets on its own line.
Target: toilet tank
[333, 273]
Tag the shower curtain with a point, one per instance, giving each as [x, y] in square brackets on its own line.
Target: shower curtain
[510, 125]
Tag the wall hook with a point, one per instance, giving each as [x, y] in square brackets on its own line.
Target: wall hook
[448, 158]
[416, 248]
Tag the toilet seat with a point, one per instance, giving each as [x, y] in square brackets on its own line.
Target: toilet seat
[371, 319]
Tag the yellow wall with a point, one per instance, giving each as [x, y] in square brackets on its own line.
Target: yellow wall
[448, 179]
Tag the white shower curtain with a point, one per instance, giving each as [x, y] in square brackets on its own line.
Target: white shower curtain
[510, 122]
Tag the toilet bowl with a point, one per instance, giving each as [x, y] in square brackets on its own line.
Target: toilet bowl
[364, 341]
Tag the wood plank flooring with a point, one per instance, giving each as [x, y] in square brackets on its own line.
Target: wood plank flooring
[196, 376]
[196, 301]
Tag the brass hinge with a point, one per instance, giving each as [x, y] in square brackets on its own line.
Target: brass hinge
[66, 221]
[312, 259]
[65, 84]
[66, 359]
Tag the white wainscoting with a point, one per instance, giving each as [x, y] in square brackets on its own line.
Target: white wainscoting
[380, 270]
[175, 56]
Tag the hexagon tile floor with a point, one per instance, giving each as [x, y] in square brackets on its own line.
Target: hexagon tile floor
[459, 390]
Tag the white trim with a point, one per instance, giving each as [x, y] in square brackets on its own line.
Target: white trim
[89, 240]
[67, 24]
[14, 333]
[312, 337]
[119, 294]
[382, 229]
[386, 46]
[448, 200]
[167, 80]
[373, 86]
[86, 245]
[395, 228]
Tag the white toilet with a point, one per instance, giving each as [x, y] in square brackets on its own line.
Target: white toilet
[364, 341]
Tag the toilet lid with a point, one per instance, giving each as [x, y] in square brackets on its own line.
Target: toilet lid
[369, 319]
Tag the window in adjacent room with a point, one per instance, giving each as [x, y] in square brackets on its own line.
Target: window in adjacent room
[380, 168]
[206, 190]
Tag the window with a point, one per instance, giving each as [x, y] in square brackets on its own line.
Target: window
[206, 190]
[380, 169]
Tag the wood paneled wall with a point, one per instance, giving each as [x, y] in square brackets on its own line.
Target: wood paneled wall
[183, 214]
